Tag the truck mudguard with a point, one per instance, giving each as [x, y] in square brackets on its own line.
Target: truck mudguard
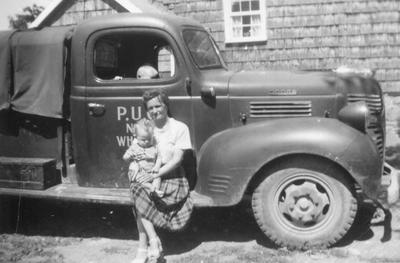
[229, 159]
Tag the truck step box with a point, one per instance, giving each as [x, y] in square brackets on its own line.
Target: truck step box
[74, 192]
[28, 173]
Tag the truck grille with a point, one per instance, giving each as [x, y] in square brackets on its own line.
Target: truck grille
[280, 109]
[374, 102]
[375, 128]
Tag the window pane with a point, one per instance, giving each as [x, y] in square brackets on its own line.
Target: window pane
[236, 20]
[256, 20]
[256, 31]
[245, 6]
[236, 6]
[237, 32]
[106, 54]
[166, 62]
[255, 5]
[106, 59]
[246, 20]
[246, 31]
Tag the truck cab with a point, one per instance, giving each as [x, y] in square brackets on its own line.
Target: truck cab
[303, 145]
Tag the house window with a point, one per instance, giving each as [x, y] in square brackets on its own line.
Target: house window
[245, 21]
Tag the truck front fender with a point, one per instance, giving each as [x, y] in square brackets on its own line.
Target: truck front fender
[229, 159]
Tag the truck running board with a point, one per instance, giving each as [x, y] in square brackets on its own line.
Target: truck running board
[74, 192]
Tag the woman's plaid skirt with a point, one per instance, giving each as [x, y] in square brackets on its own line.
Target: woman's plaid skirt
[172, 211]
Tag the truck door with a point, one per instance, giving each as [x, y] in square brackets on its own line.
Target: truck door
[112, 100]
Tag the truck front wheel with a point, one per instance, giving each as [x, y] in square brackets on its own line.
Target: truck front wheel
[305, 207]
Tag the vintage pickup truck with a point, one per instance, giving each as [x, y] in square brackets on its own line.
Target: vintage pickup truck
[306, 147]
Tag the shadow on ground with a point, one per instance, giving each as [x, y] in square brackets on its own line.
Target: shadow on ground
[232, 224]
[360, 229]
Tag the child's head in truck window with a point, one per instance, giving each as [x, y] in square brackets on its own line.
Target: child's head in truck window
[147, 72]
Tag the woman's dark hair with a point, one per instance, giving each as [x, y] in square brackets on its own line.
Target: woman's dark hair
[151, 94]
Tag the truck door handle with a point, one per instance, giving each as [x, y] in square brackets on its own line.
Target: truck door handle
[96, 109]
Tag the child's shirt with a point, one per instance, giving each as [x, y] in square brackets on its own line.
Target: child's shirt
[151, 154]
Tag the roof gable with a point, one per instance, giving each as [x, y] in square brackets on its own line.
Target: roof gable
[57, 8]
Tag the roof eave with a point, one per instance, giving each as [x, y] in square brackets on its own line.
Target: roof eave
[38, 22]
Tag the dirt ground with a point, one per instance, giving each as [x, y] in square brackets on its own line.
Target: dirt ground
[53, 231]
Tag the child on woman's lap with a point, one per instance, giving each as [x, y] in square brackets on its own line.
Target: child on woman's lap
[144, 156]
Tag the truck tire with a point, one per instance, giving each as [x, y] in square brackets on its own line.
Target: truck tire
[299, 208]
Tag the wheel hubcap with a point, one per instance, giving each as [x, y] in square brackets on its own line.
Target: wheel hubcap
[303, 203]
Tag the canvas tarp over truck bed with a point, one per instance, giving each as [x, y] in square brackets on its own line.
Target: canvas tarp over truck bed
[5, 69]
[36, 78]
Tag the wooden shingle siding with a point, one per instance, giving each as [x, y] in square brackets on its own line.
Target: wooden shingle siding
[317, 34]
[343, 30]
[314, 2]
[208, 12]
[331, 19]
[331, 7]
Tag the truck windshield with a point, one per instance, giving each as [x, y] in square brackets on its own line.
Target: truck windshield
[203, 49]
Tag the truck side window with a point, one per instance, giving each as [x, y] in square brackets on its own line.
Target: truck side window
[118, 56]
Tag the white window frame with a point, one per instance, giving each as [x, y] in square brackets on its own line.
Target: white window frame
[229, 24]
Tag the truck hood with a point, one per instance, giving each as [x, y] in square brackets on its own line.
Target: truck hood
[282, 83]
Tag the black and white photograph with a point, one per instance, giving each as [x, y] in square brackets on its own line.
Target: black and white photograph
[199, 131]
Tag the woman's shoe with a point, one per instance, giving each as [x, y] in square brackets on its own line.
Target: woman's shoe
[141, 256]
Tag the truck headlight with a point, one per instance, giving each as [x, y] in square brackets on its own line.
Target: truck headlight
[356, 115]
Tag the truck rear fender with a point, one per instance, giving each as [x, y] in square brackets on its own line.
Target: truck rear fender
[230, 159]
